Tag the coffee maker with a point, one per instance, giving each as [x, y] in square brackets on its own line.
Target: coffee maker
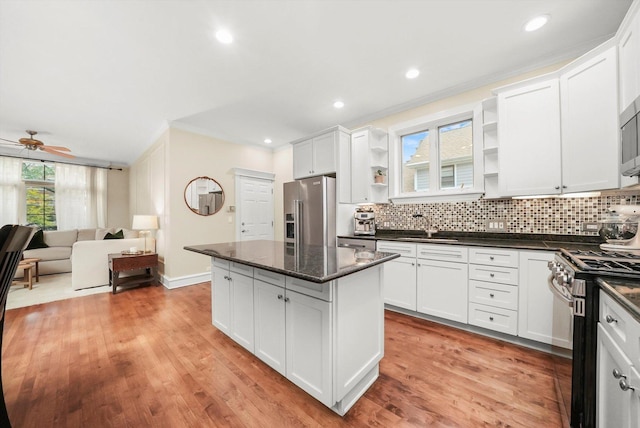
[364, 223]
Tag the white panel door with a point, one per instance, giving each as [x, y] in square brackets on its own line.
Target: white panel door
[400, 283]
[629, 63]
[541, 316]
[255, 209]
[613, 408]
[529, 132]
[269, 324]
[221, 299]
[303, 159]
[242, 310]
[308, 343]
[443, 289]
[590, 130]
[324, 154]
[360, 170]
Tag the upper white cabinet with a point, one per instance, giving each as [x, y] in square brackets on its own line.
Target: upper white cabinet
[369, 158]
[590, 130]
[317, 155]
[629, 58]
[559, 133]
[529, 132]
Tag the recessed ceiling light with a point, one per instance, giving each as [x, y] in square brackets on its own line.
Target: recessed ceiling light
[412, 73]
[338, 104]
[267, 141]
[224, 36]
[536, 23]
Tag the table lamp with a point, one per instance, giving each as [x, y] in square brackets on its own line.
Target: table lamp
[145, 224]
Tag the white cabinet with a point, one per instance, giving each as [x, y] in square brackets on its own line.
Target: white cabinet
[232, 301]
[618, 355]
[529, 132]
[613, 404]
[308, 345]
[590, 130]
[399, 288]
[493, 289]
[442, 288]
[541, 316]
[317, 155]
[629, 59]
[369, 155]
[269, 321]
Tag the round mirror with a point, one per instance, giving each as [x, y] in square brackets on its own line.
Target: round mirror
[204, 196]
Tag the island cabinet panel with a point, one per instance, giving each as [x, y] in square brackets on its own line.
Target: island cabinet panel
[220, 298]
[359, 329]
[443, 290]
[270, 325]
[308, 344]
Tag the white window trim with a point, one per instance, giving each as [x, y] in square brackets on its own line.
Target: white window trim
[431, 122]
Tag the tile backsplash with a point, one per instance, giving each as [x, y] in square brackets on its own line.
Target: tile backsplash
[562, 216]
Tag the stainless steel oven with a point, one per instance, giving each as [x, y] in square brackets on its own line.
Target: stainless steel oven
[573, 280]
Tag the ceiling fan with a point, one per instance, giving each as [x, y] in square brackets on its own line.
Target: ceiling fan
[31, 143]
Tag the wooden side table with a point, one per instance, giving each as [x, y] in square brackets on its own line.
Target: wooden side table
[35, 262]
[126, 262]
[28, 269]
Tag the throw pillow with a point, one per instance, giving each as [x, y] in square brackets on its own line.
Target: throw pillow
[118, 235]
[37, 241]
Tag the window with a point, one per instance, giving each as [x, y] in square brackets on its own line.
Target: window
[455, 155]
[39, 183]
[435, 156]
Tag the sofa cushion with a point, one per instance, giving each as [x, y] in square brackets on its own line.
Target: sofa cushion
[86, 234]
[118, 235]
[60, 238]
[129, 234]
[50, 253]
[37, 241]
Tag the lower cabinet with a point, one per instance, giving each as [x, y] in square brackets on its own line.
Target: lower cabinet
[442, 289]
[399, 287]
[292, 335]
[541, 317]
[232, 302]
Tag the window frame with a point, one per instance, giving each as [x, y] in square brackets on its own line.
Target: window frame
[432, 122]
[37, 183]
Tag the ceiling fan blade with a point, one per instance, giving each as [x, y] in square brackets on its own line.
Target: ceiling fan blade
[60, 148]
[53, 151]
[9, 141]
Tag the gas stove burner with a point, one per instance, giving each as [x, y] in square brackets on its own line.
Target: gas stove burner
[623, 266]
[604, 254]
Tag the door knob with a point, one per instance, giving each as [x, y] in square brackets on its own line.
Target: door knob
[243, 231]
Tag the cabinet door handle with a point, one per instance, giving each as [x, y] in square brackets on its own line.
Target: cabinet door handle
[557, 187]
[491, 257]
[491, 295]
[610, 319]
[625, 386]
[490, 318]
[492, 275]
[618, 374]
[280, 296]
[286, 299]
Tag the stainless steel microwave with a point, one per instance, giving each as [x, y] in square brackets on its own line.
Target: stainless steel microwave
[630, 143]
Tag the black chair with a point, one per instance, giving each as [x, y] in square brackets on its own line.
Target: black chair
[13, 241]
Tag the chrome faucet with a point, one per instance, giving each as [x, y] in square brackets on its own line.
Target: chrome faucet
[430, 230]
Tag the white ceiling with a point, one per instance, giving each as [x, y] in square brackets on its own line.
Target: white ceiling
[104, 78]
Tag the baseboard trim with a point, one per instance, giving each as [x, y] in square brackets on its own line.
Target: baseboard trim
[185, 281]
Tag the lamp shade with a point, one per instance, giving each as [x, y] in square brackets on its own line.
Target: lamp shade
[144, 222]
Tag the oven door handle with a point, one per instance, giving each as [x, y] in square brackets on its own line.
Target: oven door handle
[554, 289]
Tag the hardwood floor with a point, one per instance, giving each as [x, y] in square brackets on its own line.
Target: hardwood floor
[149, 357]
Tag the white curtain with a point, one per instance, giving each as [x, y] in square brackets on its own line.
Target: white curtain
[12, 204]
[81, 197]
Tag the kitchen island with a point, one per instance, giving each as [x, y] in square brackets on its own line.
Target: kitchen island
[315, 314]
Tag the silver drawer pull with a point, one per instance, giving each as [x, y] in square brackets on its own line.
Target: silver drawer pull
[491, 257]
[491, 295]
[280, 296]
[490, 318]
[286, 299]
[492, 275]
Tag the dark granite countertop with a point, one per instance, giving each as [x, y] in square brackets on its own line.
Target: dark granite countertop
[624, 291]
[521, 241]
[310, 262]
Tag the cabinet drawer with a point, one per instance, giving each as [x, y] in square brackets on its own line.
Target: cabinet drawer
[241, 269]
[448, 253]
[220, 263]
[404, 249]
[269, 277]
[502, 275]
[319, 291]
[492, 294]
[497, 319]
[493, 257]
[622, 327]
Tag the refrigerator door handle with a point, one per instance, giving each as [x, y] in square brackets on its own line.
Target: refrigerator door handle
[297, 219]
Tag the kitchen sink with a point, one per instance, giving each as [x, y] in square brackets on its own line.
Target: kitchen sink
[427, 240]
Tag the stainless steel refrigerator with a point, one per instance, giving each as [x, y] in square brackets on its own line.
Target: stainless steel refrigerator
[310, 211]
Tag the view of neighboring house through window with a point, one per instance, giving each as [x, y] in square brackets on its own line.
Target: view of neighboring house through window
[453, 145]
[39, 181]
